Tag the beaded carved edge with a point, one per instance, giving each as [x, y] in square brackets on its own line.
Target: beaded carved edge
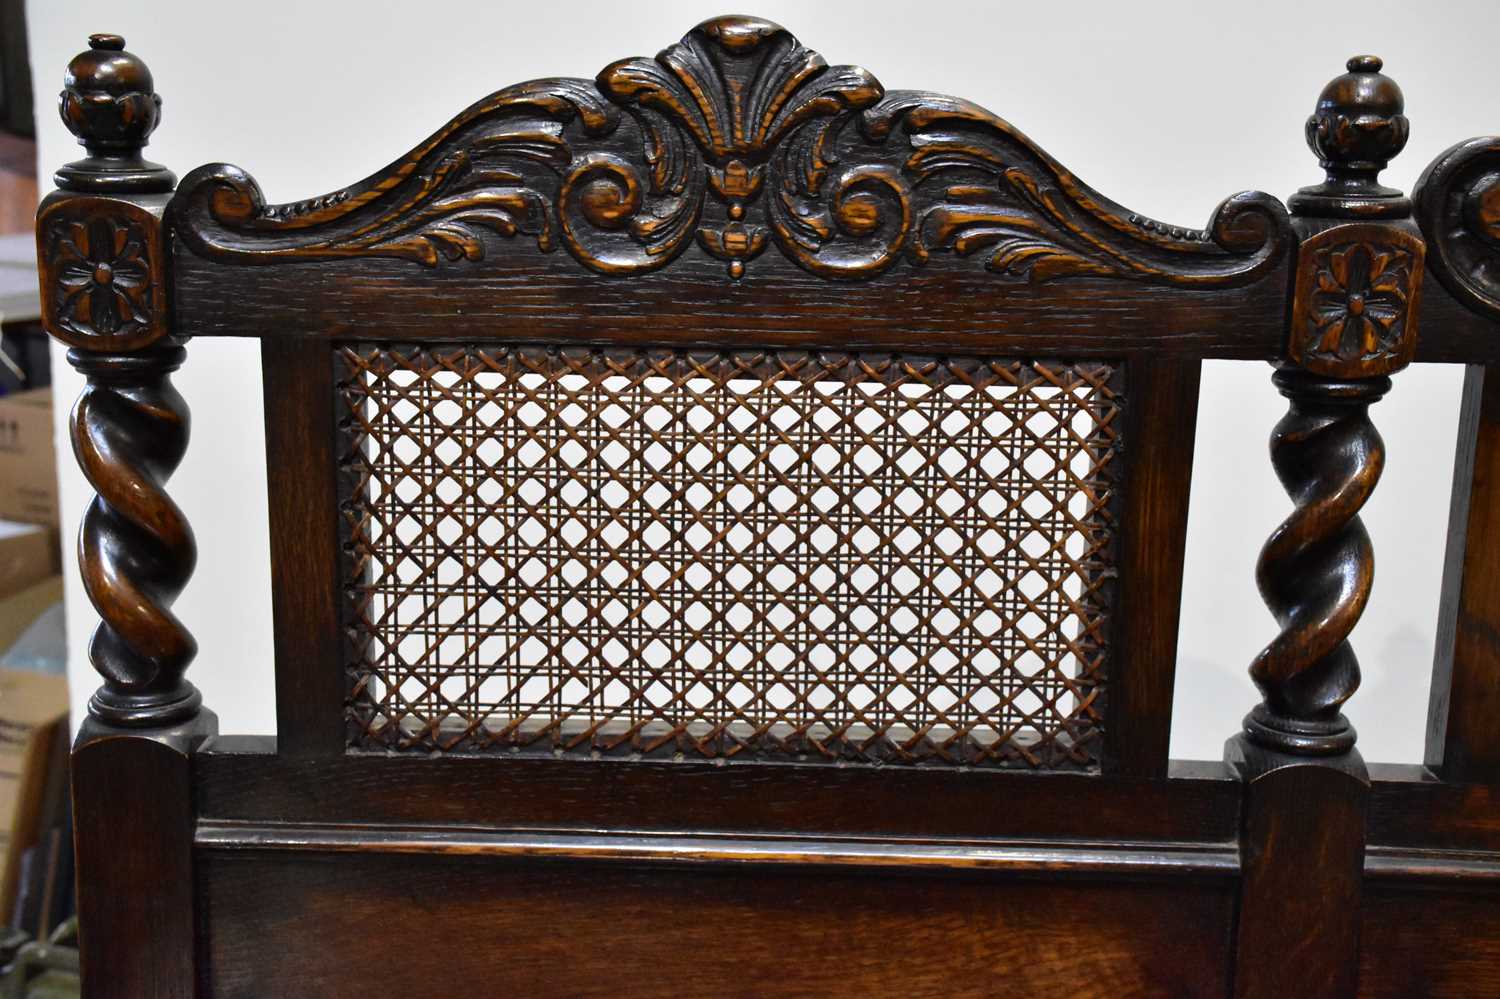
[736, 139]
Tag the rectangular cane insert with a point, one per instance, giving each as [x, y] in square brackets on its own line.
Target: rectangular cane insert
[867, 557]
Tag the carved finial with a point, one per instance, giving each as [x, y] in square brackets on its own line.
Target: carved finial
[109, 101]
[1357, 128]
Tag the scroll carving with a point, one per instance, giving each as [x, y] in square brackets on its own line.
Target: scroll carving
[733, 140]
[1458, 208]
[478, 173]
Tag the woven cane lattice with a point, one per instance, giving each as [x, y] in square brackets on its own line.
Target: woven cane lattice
[866, 557]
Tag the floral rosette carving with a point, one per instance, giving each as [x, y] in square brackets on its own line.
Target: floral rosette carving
[101, 275]
[1360, 304]
[1354, 306]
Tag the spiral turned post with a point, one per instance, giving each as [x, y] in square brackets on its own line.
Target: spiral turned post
[135, 548]
[1316, 570]
[1352, 323]
[103, 262]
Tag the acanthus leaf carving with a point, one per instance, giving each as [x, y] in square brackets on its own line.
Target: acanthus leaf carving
[734, 139]
[477, 174]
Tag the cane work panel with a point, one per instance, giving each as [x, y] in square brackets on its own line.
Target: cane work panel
[863, 557]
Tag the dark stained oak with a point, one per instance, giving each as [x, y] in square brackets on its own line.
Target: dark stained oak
[1302, 854]
[1353, 321]
[700, 271]
[1463, 739]
[1456, 954]
[778, 305]
[102, 259]
[1458, 207]
[306, 592]
[1317, 569]
[239, 779]
[1411, 809]
[135, 548]
[548, 297]
[583, 929]
[1161, 421]
[1351, 324]
[129, 789]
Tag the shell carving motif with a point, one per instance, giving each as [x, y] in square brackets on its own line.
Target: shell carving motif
[734, 139]
[737, 86]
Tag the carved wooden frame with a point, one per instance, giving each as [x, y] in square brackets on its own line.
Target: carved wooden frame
[628, 170]
[910, 221]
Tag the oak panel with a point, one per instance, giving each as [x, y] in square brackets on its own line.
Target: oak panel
[425, 924]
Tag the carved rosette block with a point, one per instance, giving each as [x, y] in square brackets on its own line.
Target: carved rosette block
[1355, 301]
[103, 286]
[1351, 324]
[102, 264]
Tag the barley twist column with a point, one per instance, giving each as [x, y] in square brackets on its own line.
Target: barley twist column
[1316, 570]
[106, 285]
[1351, 324]
[135, 548]
[103, 263]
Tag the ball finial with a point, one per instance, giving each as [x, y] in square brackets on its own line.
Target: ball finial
[1355, 130]
[109, 102]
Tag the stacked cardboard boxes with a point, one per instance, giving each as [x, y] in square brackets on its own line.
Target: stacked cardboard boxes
[28, 459]
[35, 825]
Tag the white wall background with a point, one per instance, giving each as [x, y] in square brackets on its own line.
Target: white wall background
[1166, 107]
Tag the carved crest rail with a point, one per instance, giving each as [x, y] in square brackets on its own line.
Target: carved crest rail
[735, 139]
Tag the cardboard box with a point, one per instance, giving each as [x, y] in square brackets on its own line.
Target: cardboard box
[28, 459]
[33, 743]
[21, 610]
[28, 555]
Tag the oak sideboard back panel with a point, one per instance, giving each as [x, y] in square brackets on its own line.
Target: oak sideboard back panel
[727, 527]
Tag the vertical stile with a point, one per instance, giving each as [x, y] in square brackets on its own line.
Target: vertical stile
[1161, 413]
[306, 600]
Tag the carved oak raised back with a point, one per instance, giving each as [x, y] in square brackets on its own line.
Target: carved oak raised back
[726, 494]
